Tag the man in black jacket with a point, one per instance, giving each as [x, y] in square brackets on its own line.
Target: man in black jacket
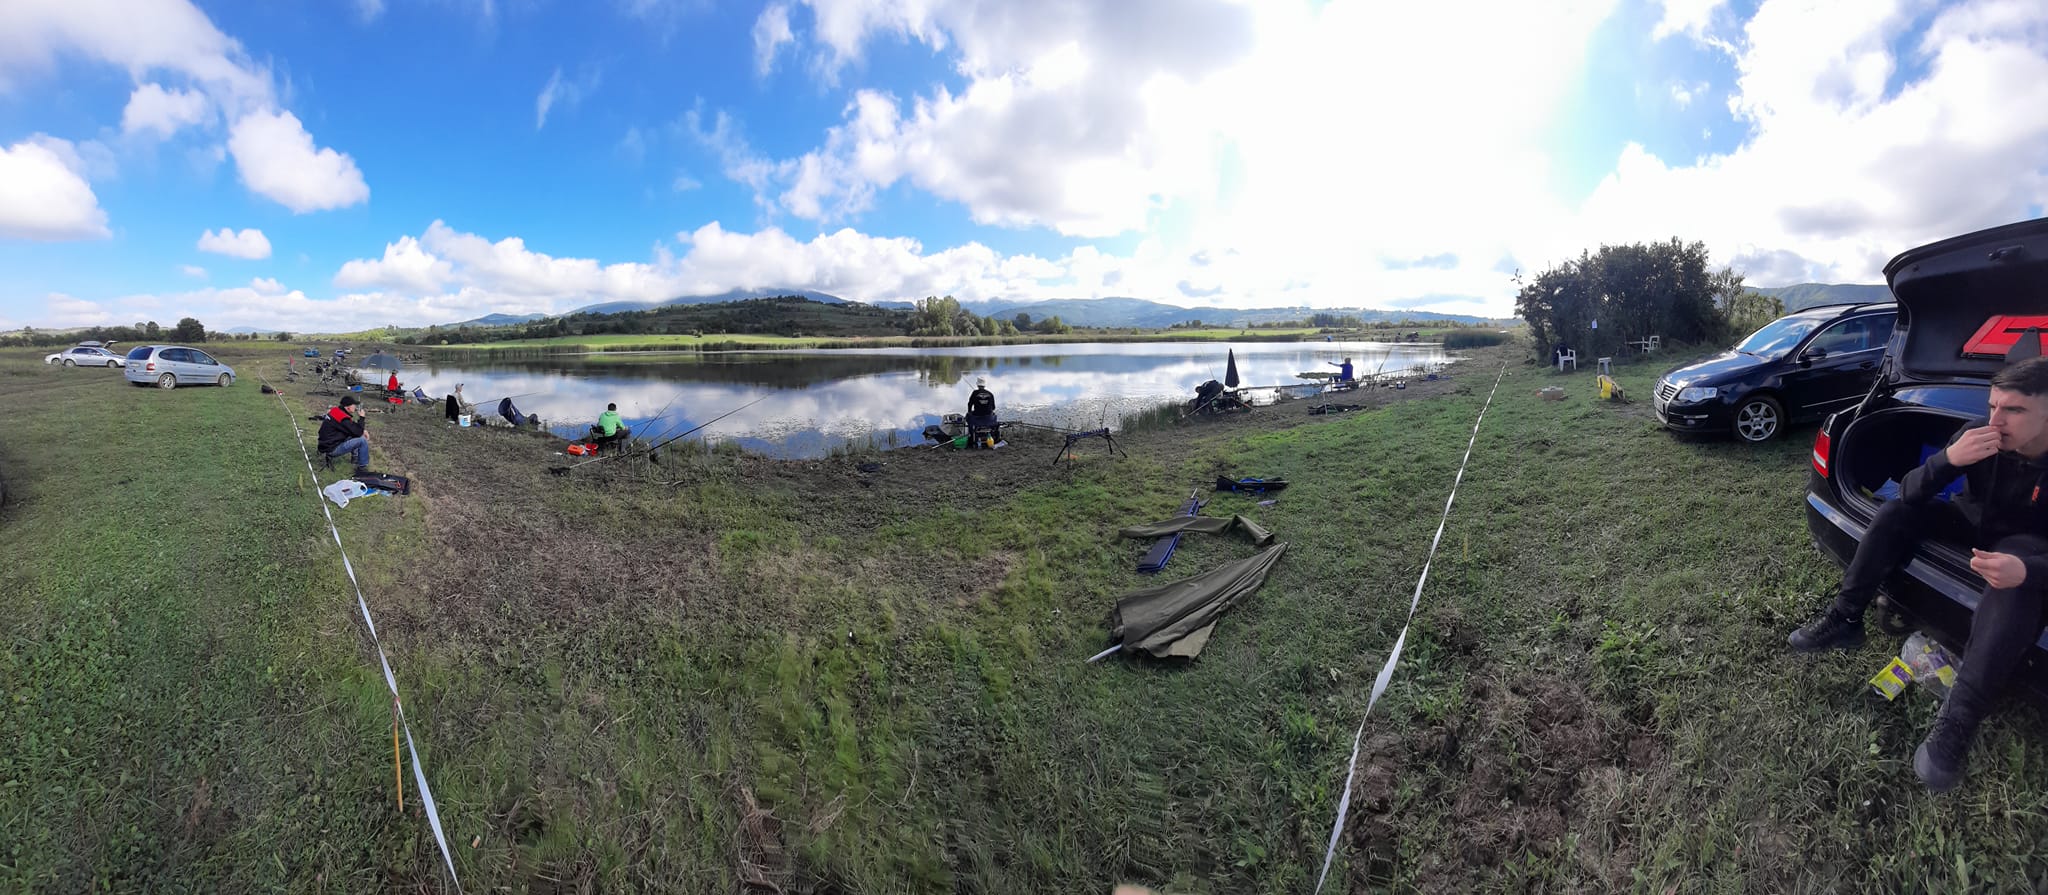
[2003, 459]
[341, 432]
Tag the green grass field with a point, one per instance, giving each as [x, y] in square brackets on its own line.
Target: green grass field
[839, 681]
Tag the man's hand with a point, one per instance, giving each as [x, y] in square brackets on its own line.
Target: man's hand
[2000, 570]
[1975, 445]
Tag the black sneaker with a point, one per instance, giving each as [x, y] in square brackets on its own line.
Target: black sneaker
[1827, 631]
[1939, 760]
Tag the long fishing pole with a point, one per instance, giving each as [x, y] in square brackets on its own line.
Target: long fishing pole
[675, 438]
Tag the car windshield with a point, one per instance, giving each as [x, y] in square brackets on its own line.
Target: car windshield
[1775, 340]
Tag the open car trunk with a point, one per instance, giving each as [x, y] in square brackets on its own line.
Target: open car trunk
[1885, 445]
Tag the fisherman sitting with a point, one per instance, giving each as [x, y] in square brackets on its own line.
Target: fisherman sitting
[341, 432]
[609, 429]
[1344, 371]
[391, 386]
[983, 429]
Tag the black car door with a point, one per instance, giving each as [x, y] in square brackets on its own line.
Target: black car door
[1836, 366]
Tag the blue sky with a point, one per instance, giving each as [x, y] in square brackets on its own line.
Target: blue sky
[339, 165]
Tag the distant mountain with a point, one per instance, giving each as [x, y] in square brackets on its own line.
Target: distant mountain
[249, 330]
[614, 307]
[1808, 295]
[501, 320]
[1118, 311]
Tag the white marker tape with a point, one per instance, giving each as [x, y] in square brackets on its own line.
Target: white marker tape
[1386, 675]
[418, 775]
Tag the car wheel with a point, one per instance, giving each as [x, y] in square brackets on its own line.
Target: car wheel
[223, 380]
[70, 363]
[1758, 419]
[112, 364]
[167, 381]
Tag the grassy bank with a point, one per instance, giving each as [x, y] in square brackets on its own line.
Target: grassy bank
[837, 678]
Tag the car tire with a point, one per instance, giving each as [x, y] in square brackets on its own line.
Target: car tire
[224, 381]
[68, 363]
[112, 364]
[1759, 419]
[167, 381]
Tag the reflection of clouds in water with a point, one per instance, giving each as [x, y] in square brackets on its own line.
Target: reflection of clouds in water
[1082, 386]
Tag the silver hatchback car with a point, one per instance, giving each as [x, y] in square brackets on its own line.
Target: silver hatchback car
[170, 366]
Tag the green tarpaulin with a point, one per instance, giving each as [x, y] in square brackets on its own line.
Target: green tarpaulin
[1176, 619]
[1214, 525]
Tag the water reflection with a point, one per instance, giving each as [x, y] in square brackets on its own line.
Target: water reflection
[823, 399]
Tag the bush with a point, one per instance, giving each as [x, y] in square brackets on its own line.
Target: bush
[1474, 338]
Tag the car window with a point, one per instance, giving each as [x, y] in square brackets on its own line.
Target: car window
[1855, 334]
[201, 357]
[141, 353]
[1778, 337]
[177, 355]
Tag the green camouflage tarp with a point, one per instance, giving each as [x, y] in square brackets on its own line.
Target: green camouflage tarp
[1214, 525]
[1176, 619]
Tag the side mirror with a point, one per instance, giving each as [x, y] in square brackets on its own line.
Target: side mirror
[1812, 354]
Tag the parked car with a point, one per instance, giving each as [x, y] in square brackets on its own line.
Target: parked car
[85, 356]
[1799, 367]
[1963, 303]
[312, 352]
[170, 366]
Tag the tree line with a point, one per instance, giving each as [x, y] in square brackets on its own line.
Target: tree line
[188, 330]
[1601, 300]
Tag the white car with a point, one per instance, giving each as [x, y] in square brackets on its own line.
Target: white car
[84, 356]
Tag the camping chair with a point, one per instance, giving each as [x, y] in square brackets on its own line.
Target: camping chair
[1568, 356]
[983, 430]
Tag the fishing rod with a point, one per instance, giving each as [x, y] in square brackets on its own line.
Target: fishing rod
[673, 439]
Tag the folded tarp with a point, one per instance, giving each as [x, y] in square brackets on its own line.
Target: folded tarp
[1214, 525]
[1176, 619]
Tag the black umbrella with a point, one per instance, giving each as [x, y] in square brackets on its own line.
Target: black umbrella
[1230, 372]
[383, 361]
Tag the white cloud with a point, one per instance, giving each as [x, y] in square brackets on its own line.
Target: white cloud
[162, 112]
[560, 91]
[192, 270]
[405, 267]
[685, 183]
[1691, 17]
[1683, 93]
[249, 243]
[369, 10]
[44, 195]
[152, 38]
[278, 161]
[771, 32]
[60, 310]
[1849, 163]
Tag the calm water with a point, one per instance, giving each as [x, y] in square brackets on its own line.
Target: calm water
[820, 400]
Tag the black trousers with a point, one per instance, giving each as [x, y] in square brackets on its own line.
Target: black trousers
[2008, 619]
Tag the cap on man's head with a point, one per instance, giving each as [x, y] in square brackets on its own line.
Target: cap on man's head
[348, 401]
[981, 382]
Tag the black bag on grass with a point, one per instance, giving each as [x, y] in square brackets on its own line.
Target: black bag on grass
[384, 481]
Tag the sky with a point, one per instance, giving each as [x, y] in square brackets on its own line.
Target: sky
[335, 166]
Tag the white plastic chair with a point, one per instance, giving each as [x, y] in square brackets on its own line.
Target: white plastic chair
[1568, 356]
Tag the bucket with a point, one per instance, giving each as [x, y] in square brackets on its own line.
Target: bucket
[462, 421]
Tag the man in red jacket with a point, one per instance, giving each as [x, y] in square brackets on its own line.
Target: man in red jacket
[341, 432]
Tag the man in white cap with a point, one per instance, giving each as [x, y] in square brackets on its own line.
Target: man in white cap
[981, 411]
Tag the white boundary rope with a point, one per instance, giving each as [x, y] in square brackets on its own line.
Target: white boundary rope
[1386, 675]
[418, 775]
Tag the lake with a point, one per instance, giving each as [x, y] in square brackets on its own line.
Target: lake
[825, 399]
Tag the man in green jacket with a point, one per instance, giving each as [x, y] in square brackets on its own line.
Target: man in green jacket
[609, 429]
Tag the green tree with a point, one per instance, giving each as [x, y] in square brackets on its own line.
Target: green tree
[154, 331]
[1748, 311]
[1022, 321]
[189, 330]
[1632, 291]
[282, 336]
